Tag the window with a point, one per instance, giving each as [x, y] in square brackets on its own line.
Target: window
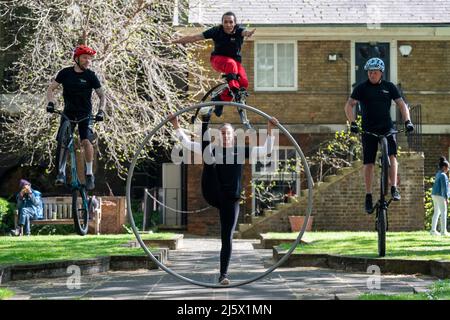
[284, 159]
[275, 66]
[274, 178]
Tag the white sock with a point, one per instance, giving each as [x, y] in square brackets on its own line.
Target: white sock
[89, 168]
[63, 168]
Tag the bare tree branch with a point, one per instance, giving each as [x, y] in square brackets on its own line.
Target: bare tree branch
[142, 72]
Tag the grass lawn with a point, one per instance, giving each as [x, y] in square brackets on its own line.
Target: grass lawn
[440, 290]
[15, 250]
[404, 245]
[6, 293]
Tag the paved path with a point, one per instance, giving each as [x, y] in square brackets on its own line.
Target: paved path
[198, 259]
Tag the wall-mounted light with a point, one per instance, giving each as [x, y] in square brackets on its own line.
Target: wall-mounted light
[332, 57]
[405, 50]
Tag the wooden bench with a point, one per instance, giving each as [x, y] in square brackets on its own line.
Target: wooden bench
[58, 210]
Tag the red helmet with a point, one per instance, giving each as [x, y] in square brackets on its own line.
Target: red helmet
[83, 49]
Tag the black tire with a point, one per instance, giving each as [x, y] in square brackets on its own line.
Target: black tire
[63, 139]
[384, 188]
[381, 229]
[212, 92]
[80, 211]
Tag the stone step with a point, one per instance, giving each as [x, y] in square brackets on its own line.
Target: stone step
[281, 205]
[356, 164]
[345, 170]
[242, 227]
[237, 235]
[330, 178]
[256, 219]
[268, 213]
[293, 199]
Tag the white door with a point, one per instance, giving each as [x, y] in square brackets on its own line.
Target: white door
[171, 184]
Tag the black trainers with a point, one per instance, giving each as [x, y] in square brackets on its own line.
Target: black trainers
[60, 179]
[223, 280]
[369, 203]
[90, 182]
[239, 95]
[395, 194]
[218, 110]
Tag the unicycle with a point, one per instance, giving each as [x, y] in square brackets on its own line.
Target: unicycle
[214, 95]
[81, 200]
[381, 207]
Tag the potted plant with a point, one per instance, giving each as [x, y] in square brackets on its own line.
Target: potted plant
[297, 222]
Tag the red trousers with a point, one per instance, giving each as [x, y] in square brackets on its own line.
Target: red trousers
[229, 65]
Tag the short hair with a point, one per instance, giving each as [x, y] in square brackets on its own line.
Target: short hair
[443, 162]
[229, 13]
[226, 124]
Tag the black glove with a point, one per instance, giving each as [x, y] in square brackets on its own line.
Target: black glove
[354, 127]
[99, 116]
[409, 127]
[51, 107]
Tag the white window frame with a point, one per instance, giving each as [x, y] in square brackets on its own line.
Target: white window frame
[275, 88]
[259, 175]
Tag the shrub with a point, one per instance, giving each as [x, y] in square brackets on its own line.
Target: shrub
[52, 229]
[6, 215]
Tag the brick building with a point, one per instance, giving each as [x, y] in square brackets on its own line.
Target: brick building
[305, 57]
[302, 63]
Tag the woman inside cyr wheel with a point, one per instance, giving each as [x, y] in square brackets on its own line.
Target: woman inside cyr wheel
[222, 176]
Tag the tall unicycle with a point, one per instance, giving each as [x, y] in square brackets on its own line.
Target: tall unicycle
[385, 164]
[381, 229]
[382, 207]
[80, 210]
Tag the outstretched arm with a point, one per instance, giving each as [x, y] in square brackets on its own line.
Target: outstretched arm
[189, 39]
[183, 138]
[267, 148]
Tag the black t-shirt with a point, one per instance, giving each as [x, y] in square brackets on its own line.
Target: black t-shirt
[375, 101]
[229, 166]
[77, 90]
[228, 45]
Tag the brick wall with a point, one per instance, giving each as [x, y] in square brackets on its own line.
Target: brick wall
[426, 70]
[434, 147]
[114, 215]
[338, 205]
[322, 86]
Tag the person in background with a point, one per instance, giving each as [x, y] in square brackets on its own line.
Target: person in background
[440, 195]
[29, 206]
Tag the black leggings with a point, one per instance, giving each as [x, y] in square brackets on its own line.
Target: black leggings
[228, 206]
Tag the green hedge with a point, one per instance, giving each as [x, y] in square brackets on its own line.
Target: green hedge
[6, 215]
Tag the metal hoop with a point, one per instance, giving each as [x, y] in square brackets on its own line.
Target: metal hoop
[175, 210]
[199, 283]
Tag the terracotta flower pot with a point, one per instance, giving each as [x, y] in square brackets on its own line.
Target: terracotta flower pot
[297, 223]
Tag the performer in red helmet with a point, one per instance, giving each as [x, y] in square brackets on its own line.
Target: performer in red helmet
[78, 81]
